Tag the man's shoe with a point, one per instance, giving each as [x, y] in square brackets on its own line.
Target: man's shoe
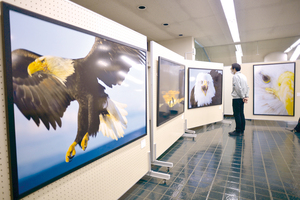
[234, 133]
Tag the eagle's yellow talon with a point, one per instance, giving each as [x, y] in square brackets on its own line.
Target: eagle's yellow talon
[84, 141]
[71, 152]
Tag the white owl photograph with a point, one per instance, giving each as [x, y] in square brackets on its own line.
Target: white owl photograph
[205, 87]
[274, 89]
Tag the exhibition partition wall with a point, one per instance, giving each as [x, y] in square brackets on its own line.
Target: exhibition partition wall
[282, 103]
[204, 93]
[170, 127]
[227, 80]
[69, 80]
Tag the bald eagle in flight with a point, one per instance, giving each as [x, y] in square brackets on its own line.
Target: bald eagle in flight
[274, 90]
[203, 91]
[44, 86]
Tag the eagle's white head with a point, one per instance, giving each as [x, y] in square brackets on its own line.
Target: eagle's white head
[61, 68]
[274, 90]
[204, 89]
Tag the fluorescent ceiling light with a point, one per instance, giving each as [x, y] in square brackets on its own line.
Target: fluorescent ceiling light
[238, 57]
[239, 49]
[295, 54]
[229, 10]
[292, 46]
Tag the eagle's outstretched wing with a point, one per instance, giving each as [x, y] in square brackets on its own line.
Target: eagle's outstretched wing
[111, 61]
[40, 96]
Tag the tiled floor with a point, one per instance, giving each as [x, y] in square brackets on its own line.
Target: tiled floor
[262, 164]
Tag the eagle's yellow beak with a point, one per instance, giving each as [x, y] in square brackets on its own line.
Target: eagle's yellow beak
[204, 87]
[285, 91]
[36, 66]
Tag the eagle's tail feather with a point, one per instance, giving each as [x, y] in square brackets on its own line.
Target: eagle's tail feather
[113, 124]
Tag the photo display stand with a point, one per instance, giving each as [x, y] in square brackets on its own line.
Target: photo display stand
[167, 102]
[188, 133]
[204, 93]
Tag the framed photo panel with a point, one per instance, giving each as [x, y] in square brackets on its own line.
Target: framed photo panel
[205, 87]
[72, 95]
[273, 89]
[170, 90]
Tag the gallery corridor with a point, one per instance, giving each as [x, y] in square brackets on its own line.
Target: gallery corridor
[262, 164]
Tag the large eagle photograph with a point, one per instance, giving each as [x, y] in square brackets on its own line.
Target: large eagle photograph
[170, 100]
[274, 89]
[76, 97]
[205, 87]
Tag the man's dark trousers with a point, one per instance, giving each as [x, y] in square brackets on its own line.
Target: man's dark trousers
[238, 113]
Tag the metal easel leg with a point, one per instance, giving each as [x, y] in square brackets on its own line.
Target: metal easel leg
[188, 133]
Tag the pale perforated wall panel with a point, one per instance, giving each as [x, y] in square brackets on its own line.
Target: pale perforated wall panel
[168, 133]
[4, 161]
[106, 178]
[204, 115]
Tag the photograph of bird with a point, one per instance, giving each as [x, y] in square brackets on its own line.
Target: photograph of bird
[44, 87]
[203, 90]
[170, 99]
[205, 87]
[274, 89]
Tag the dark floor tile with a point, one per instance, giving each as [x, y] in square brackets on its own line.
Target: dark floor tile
[277, 188]
[262, 185]
[142, 193]
[230, 197]
[154, 196]
[189, 189]
[293, 197]
[184, 195]
[232, 192]
[172, 192]
[134, 197]
[261, 197]
[247, 188]
[247, 195]
[261, 191]
[247, 182]
[220, 182]
[166, 197]
[233, 185]
[215, 195]
[148, 186]
[198, 196]
[160, 189]
[192, 182]
[279, 195]
[217, 188]
[201, 191]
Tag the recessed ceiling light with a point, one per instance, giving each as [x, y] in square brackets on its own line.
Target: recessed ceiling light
[165, 24]
[142, 7]
[180, 34]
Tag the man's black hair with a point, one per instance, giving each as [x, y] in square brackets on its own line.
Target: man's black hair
[236, 66]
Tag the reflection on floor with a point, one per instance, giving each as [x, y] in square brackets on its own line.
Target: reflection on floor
[262, 164]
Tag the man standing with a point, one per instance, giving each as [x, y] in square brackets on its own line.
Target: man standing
[240, 96]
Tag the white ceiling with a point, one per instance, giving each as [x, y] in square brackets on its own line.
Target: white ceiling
[265, 26]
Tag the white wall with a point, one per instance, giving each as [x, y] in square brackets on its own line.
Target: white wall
[203, 115]
[247, 69]
[227, 80]
[108, 177]
[182, 46]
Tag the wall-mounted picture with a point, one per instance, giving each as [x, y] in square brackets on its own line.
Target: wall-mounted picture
[170, 90]
[205, 87]
[273, 89]
[73, 96]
